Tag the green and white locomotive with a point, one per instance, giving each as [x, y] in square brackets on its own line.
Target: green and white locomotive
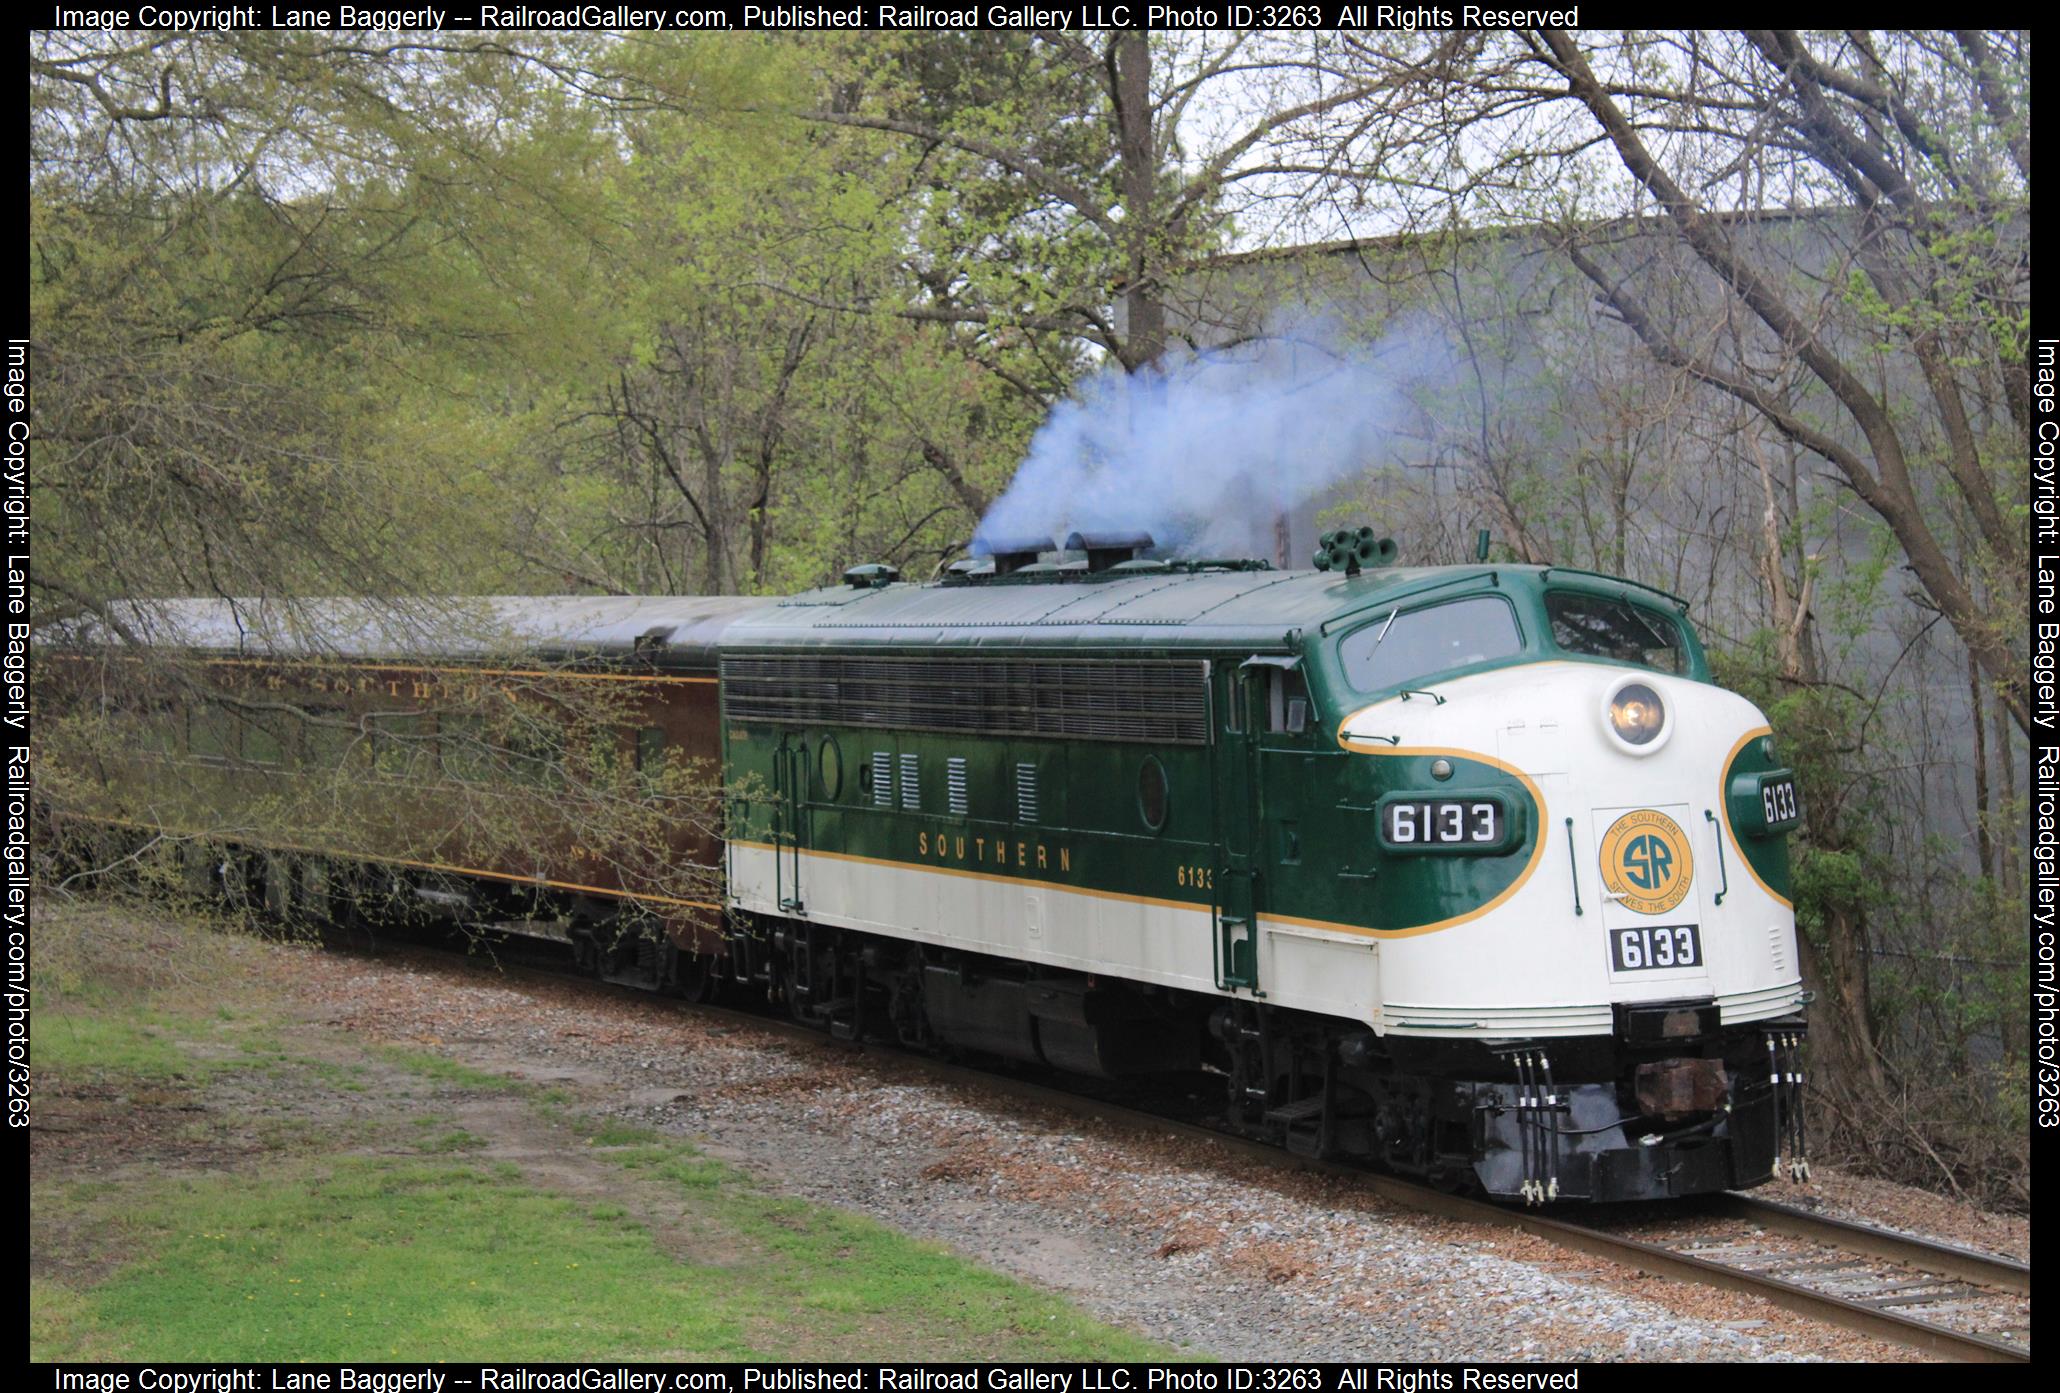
[1468, 870]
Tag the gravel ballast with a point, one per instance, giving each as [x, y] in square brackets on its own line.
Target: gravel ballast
[1180, 1240]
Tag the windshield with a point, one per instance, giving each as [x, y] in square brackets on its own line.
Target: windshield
[1409, 646]
[1623, 633]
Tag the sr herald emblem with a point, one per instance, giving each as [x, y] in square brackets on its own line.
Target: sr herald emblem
[1646, 863]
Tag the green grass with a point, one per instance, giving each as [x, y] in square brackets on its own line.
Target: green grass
[62, 1319]
[135, 1043]
[338, 1237]
[377, 1258]
[441, 1070]
[456, 1139]
[382, 1257]
[348, 1077]
[610, 1133]
[853, 1279]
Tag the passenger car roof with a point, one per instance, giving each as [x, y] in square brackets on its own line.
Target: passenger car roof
[672, 631]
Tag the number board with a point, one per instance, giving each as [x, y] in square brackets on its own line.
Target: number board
[1778, 802]
[1654, 946]
[1459, 823]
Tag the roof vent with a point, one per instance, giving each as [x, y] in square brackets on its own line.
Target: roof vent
[871, 575]
[653, 640]
[1012, 554]
[1106, 549]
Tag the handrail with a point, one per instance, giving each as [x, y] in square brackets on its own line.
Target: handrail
[1573, 863]
[1722, 870]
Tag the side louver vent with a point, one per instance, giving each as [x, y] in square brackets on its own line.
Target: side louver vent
[883, 779]
[1026, 793]
[911, 784]
[955, 786]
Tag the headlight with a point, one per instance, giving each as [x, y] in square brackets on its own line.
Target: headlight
[1637, 718]
[1637, 714]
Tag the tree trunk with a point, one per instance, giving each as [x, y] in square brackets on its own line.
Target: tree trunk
[1145, 334]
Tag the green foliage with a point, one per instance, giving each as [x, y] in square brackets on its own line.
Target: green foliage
[1942, 953]
[255, 371]
[1837, 876]
[1827, 884]
[373, 327]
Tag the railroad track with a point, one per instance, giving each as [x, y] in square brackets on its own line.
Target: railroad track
[1938, 1275]
[1978, 1294]
[1907, 1290]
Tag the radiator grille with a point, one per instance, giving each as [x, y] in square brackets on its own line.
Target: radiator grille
[1159, 701]
[955, 786]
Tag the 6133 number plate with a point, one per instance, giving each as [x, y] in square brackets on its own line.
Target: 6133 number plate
[1778, 804]
[1410, 824]
[1654, 945]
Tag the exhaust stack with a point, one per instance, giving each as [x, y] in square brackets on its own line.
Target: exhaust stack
[1012, 554]
[1107, 549]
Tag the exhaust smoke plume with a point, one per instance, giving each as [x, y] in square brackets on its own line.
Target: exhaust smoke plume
[1205, 449]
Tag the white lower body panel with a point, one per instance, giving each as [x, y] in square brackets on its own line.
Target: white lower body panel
[1301, 967]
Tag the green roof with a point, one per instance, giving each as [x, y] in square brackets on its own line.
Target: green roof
[1203, 608]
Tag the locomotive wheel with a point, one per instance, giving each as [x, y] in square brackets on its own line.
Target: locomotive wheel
[696, 978]
[586, 953]
[791, 992]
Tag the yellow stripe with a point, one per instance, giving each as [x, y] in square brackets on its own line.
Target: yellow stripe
[979, 875]
[1199, 907]
[618, 894]
[1724, 804]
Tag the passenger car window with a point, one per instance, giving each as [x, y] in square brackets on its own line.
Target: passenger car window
[1625, 633]
[1410, 645]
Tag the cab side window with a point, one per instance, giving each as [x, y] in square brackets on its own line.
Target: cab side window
[1287, 702]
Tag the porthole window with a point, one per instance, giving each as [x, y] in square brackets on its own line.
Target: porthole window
[829, 768]
[1151, 793]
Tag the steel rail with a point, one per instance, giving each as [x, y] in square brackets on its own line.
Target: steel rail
[1928, 1254]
